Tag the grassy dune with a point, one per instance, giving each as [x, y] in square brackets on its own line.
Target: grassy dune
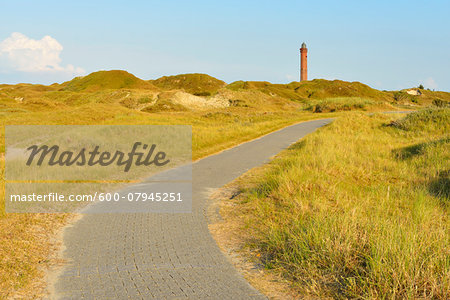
[314, 89]
[197, 84]
[105, 80]
[320, 89]
[343, 104]
[122, 88]
[359, 209]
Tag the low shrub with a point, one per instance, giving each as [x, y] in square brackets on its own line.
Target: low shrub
[441, 103]
[339, 104]
[428, 119]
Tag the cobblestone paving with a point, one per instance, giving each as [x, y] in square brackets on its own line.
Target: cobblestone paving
[166, 256]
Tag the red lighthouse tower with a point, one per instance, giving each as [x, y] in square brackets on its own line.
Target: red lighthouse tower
[303, 63]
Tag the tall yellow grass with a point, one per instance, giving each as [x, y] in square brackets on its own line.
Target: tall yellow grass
[359, 209]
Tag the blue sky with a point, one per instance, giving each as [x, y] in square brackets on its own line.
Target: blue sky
[386, 44]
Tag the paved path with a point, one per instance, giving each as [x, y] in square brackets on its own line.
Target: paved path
[166, 256]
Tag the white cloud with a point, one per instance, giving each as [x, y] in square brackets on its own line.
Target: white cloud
[28, 55]
[429, 83]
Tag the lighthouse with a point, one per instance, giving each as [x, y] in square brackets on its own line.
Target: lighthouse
[303, 63]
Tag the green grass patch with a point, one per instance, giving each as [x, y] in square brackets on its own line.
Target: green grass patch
[100, 80]
[197, 84]
[434, 120]
[342, 215]
[339, 104]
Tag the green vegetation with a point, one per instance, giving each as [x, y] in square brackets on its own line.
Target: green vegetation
[404, 96]
[426, 98]
[358, 209]
[319, 89]
[166, 93]
[162, 105]
[314, 89]
[441, 103]
[197, 84]
[434, 120]
[340, 104]
[105, 80]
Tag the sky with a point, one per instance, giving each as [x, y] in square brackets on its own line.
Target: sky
[388, 45]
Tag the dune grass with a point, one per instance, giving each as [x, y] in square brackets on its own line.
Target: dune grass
[359, 209]
[195, 83]
[341, 104]
[319, 89]
[314, 89]
[115, 79]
